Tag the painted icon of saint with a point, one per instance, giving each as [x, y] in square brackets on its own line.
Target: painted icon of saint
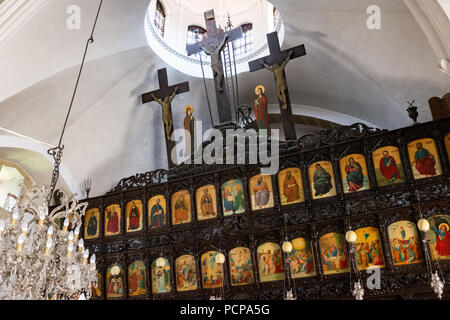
[157, 215]
[262, 192]
[424, 161]
[207, 204]
[135, 218]
[291, 189]
[322, 181]
[355, 176]
[388, 167]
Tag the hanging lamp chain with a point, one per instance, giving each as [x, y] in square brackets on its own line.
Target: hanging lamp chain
[57, 152]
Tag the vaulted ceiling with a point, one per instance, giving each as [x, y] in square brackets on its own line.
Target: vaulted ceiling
[350, 74]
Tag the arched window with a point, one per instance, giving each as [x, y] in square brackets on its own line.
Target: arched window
[244, 44]
[192, 38]
[160, 18]
[11, 179]
[276, 17]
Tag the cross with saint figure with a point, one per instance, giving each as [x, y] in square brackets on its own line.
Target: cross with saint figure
[164, 97]
[212, 46]
[276, 63]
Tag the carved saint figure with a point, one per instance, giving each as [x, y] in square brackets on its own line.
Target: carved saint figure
[280, 79]
[167, 112]
[260, 109]
[424, 161]
[213, 50]
[189, 126]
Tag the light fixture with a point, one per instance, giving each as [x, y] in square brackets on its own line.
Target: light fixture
[350, 236]
[160, 262]
[435, 281]
[358, 289]
[220, 258]
[423, 225]
[38, 260]
[287, 247]
[38, 257]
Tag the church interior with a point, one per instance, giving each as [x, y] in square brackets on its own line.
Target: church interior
[224, 149]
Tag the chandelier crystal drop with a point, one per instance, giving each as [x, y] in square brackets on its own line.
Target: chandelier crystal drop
[39, 259]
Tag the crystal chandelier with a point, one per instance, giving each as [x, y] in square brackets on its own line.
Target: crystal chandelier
[38, 258]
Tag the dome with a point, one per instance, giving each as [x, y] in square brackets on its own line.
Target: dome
[170, 25]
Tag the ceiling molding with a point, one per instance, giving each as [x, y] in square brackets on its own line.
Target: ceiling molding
[14, 14]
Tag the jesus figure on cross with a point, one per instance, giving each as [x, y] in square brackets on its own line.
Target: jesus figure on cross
[280, 79]
[166, 112]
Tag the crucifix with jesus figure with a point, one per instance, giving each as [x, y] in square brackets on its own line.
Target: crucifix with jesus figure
[212, 46]
[276, 63]
[164, 97]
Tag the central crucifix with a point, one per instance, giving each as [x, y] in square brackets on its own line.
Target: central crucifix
[276, 63]
[164, 97]
[212, 46]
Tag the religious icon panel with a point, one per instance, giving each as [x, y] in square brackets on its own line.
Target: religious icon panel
[161, 277]
[270, 262]
[447, 145]
[261, 192]
[233, 197]
[157, 212]
[241, 267]
[404, 242]
[181, 207]
[206, 203]
[424, 158]
[301, 259]
[112, 220]
[439, 235]
[321, 179]
[114, 282]
[334, 253]
[134, 218]
[137, 279]
[369, 253]
[290, 186]
[354, 173]
[97, 290]
[186, 273]
[388, 166]
[212, 272]
[92, 224]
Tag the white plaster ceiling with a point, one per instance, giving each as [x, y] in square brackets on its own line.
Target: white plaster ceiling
[349, 71]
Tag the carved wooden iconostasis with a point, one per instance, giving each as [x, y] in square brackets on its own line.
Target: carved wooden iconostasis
[351, 177]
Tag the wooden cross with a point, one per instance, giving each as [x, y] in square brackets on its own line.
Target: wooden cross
[164, 97]
[276, 62]
[212, 46]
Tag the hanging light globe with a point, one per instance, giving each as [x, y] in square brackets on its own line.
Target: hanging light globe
[160, 262]
[287, 247]
[220, 258]
[350, 236]
[423, 225]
